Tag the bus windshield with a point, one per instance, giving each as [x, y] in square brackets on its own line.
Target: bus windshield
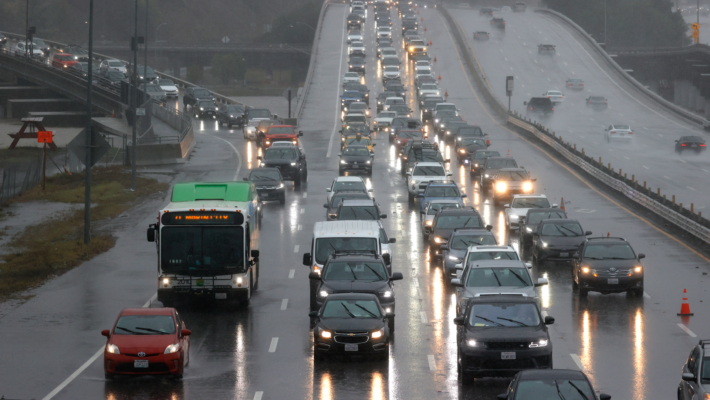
[186, 249]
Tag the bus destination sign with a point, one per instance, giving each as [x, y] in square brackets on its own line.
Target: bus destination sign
[202, 218]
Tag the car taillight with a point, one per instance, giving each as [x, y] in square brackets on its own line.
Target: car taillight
[553, 108]
[702, 145]
[631, 133]
[683, 145]
[581, 84]
[612, 132]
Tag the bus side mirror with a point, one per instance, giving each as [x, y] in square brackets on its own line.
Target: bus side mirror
[255, 254]
[151, 233]
[307, 259]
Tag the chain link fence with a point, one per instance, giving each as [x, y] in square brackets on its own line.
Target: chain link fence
[19, 177]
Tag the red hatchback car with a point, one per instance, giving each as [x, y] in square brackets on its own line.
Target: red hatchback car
[147, 341]
[63, 60]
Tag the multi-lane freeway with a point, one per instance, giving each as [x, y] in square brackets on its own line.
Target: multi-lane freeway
[629, 347]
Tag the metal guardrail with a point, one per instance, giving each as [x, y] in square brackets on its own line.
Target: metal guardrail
[242, 47]
[655, 97]
[312, 63]
[695, 225]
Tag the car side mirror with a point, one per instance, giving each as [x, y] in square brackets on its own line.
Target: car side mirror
[393, 240]
[641, 255]
[533, 180]
[676, 140]
[506, 205]
[313, 314]
[541, 282]
[383, 216]
[341, 131]
[459, 321]
[449, 174]
[604, 396]
[151, 234]
[325, 205]
[528, 265]
[422, 212]
[489, 227]
[525, 103]
[409, 174]
[549, 320]
[340, 154]
[327, 189]
[587, 233]
[464, 195]
[307, 259]
[420, 194]
[397, 276]
[503, 396]
[245, 179]
[276, 116]
[255, 254]
[314, 276]
[458, 266]
[427, 229]
[387, 258]
[374, 144]
[448, 160]
[687, 376]
[555, 205]
[456, 282]
[300, 133]
[185, 332]
[444, 247]
[106, 333]
[258, 158]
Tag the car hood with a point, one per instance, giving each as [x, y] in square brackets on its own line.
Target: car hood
[266, 183]
[529, 291]
[278, 162]
[507, 333]
[352, 324]
[355, 286]
[605, 264]
[422, 178]
[565, 241]
[383, 120]
[355, 158]
[457, 253]
[146, 343]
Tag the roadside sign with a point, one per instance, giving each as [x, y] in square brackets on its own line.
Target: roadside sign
[44, 136]
[99, 146]
[225, 39]
[509, 80]
[140, 111]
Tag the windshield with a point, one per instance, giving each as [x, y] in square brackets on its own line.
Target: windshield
[487, 277]
[485, 154]
[545, 389]
[115, 64]
[265, 175]
[562, 229]
[281, 130]
[436, 207]
[431, 170]
[490, 255]
[141, 69]
[429, 86]
[356, 106]
[325, 247]
[145, 325]
[205, 103]
[470, 132]
[391, 69]
[501, 163]
[504, 314]
[513, 176]
[458, 221]
[431, 103]
[447, 107]
[473, 142]
[411, 134]
[200, 248]
[461, 242]
[621, 127]
[356, 151]
[390, 102]
[259, 114]
[275, 153]
[358, 213]
[609, 252]
[153, 88]
[535, 218]
[387, 114]
[351, 309]
[354, 271]
[351, 93]
[165, 82]
[427, 156]
[442, 191]
[362, 141]
[531, 203]
[350, 185]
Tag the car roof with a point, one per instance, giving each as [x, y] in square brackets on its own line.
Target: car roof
[497, 264]
[280, 126]
[358, 202]
[440, 183]
[148, 311]
[442, 201]
[476, 231]
[545, 210]
[558, 221]
[457, 211]
[502, 298]
[350, 178]
[528, 196]
[354, 228]
[487, 248]
[263, 169]
[428, 163]
[533, 374]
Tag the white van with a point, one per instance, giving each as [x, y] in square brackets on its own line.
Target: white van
[332, 236]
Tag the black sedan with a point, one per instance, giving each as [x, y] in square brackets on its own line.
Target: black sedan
[531, 220]
[501, 335]
[269, 184]
[351, 323]
[557, 239]
[355, 158]
[551, 384]
[231, 114]
[205, 109]
[468, 146]
[695, 143]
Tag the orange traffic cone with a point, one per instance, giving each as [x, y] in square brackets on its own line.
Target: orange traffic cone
[430, 43]
[508, 152]
[425, 29]
[113, 113]
[422, 19]
[685, 307]
[562, 203]
[446, 93]
[608, 234]
[434, 58]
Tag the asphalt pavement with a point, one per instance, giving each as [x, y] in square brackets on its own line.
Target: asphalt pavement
[630, 347]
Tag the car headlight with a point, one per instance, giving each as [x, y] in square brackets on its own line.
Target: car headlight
[263, 164]
[439, 240]
[527, 186]
[442, 125]
[452, 258]
[166, 281]
[411, 48]
[386, 294]
[368, 162]
[378, 334]
[638, 269]
[436, 120]
[281, 185]
[202, 109]
[487, 176]
[375, 122]
[326, 334]
[343, 162]
[471, 343]
[513, 217]
[112, 348]
[172, 348]
[527, 229]
[476, 165]
[539, 343]
[413, 182]
[544, 244]
[231, 116]
[428, 223]
[293, 164]
[501, 187]
[462, 151]
[323, 293]
[585, 270]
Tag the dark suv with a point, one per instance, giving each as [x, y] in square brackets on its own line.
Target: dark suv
[290, 161]
[607, 265]
[193, 94]
[490, 168]
[541, 105]
[269, 184]
[695, 374]
[501, 335]
[231, 114]
[447, 221]
[528, 223]
[557, 239]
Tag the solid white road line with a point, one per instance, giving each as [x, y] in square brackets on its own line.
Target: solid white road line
[295, 248]
[337, 93]
[423, 317]
[305, 195]
[577, 361]
[258, 395]
[291, 273]
[274, 343]
[300, 227]
[688, 331]
[432, 362]
[284, 304]
[239, 158]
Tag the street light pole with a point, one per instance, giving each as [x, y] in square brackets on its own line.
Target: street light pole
[134, 97]
[27, 25]
[605, 44]
[145, 40]
[156, 31]
[87, 162]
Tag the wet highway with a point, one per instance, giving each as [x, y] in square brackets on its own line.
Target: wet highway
[632, 348]
[650, 156]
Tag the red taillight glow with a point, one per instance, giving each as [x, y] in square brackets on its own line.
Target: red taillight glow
[683, 145]
[612, 132]
[702, 145]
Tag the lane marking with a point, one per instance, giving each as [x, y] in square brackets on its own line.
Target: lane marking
[295, 248]
[415, 282]
[432, 362]
[337, 93]
[422, 316]
[577, 361]
[300, 227]
[274, 343]
[554, 159]
[704, 170]
[258, 395]
[291, 273]
[645, 166]
[284, 304]
[688, 331]
[239, 158]
[690, 188]
[305, 195]
[303, 211]
[646, 296]
[666, 177]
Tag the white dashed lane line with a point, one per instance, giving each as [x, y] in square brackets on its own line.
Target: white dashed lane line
[295, 248]
[577, 361]
[258, 395]
[284, 304]
[432, 362]
[688, 331]
[291, 273]
[305, 195]
[422, 316]
[274, 343]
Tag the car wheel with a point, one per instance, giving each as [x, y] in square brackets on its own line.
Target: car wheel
[108, 376]
[638, 292]
[229, 126]
[390, 323]
[282, 200]
[411, 197]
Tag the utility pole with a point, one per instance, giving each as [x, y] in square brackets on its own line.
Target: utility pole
[605, 43]
[697, 15]
[27, 24]
[87, 161]
[134, 98]
[145, 59]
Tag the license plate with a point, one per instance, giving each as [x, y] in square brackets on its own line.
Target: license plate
[564, 254]
[220, 296]
[350, 347]
[507, 355]
[140, 363]
[694, 145]
[612, 281]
